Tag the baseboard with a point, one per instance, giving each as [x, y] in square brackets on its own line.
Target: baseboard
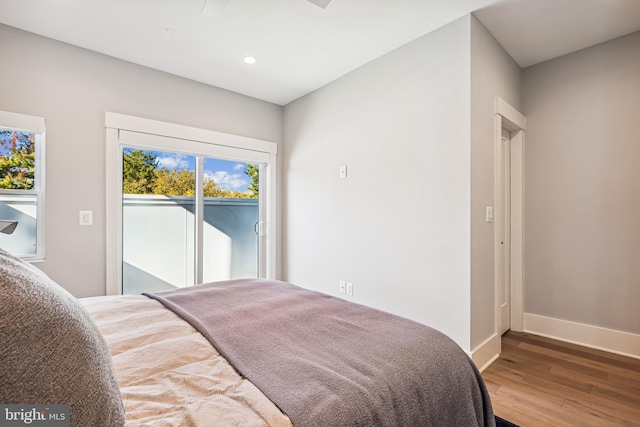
[486, 353]
[623, 343]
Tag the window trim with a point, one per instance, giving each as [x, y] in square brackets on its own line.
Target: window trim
[35, 125]
[121, 128]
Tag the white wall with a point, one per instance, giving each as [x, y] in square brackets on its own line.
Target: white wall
[72, 88]
[582, 187]
[493, 74]
[398, 227]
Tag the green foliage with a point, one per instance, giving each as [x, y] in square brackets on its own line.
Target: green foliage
[17, 160]
[138, 171]
[175, 182]
[253, 171]
[180, 182]
[141, 175]
[211, 190]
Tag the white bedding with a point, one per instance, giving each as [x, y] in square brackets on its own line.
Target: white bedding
[169, 374]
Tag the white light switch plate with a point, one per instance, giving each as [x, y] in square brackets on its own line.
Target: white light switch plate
[86, 217]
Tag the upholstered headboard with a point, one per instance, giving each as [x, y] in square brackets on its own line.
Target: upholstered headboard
[51, 351]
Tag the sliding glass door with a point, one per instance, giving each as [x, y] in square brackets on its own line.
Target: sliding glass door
[191, 212]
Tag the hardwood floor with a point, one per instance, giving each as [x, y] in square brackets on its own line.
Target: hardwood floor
[538, 381]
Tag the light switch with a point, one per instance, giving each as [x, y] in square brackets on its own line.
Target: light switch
[342, 287]
[343, 171]
[86, 217]
[489, 214]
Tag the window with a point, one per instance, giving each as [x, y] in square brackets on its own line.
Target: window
[22, 184]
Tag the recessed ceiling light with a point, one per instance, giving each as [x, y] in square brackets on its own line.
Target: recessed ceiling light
[249, 59]
[169, 33]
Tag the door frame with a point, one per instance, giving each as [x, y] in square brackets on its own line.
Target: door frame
[509, 118]
[120, 124]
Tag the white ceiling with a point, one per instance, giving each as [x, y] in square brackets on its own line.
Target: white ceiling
[300, 47]
[533, 31]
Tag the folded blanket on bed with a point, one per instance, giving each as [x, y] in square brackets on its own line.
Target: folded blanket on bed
[325, 361]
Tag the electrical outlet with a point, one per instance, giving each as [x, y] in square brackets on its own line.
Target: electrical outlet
[343, 287]
[349, 288]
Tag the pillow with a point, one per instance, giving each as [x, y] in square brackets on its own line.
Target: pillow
[51, 351]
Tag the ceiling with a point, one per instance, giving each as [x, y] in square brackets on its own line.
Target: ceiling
[300, 47]
[533, 31]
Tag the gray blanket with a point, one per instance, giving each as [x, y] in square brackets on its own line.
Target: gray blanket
[329, 362]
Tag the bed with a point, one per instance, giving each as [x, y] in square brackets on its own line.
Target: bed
[235, 353]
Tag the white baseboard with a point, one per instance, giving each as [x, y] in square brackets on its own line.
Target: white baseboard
[610, 340]
[486, 353]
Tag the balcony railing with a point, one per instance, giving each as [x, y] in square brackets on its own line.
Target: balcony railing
[21, 208]
[159, 245]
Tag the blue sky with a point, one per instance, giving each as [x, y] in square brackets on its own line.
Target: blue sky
[228, 175]
[22, 137]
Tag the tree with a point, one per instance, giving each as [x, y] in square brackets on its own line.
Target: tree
[175, 182]
[141, 175]
[17, 160]
[252, 171]
[138, 171]
[211, 190]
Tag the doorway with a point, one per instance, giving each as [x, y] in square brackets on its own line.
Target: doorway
[509, 219]
[181, 216]
[165, 235]
[503, 203]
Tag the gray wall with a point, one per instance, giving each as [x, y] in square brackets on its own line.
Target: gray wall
[413, 128]
[493, 74]
[416, 129]
[72, 88]
[398, 226]
[582, 201]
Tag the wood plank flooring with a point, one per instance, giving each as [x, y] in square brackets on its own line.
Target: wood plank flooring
[538, 381]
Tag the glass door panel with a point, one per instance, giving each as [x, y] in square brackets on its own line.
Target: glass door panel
[158, 224]
[231, 220]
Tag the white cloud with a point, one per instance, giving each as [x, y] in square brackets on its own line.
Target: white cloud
[228, 181]
[173, 161]
[239, 167]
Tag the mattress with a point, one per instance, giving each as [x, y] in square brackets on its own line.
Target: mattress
[169, 374]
